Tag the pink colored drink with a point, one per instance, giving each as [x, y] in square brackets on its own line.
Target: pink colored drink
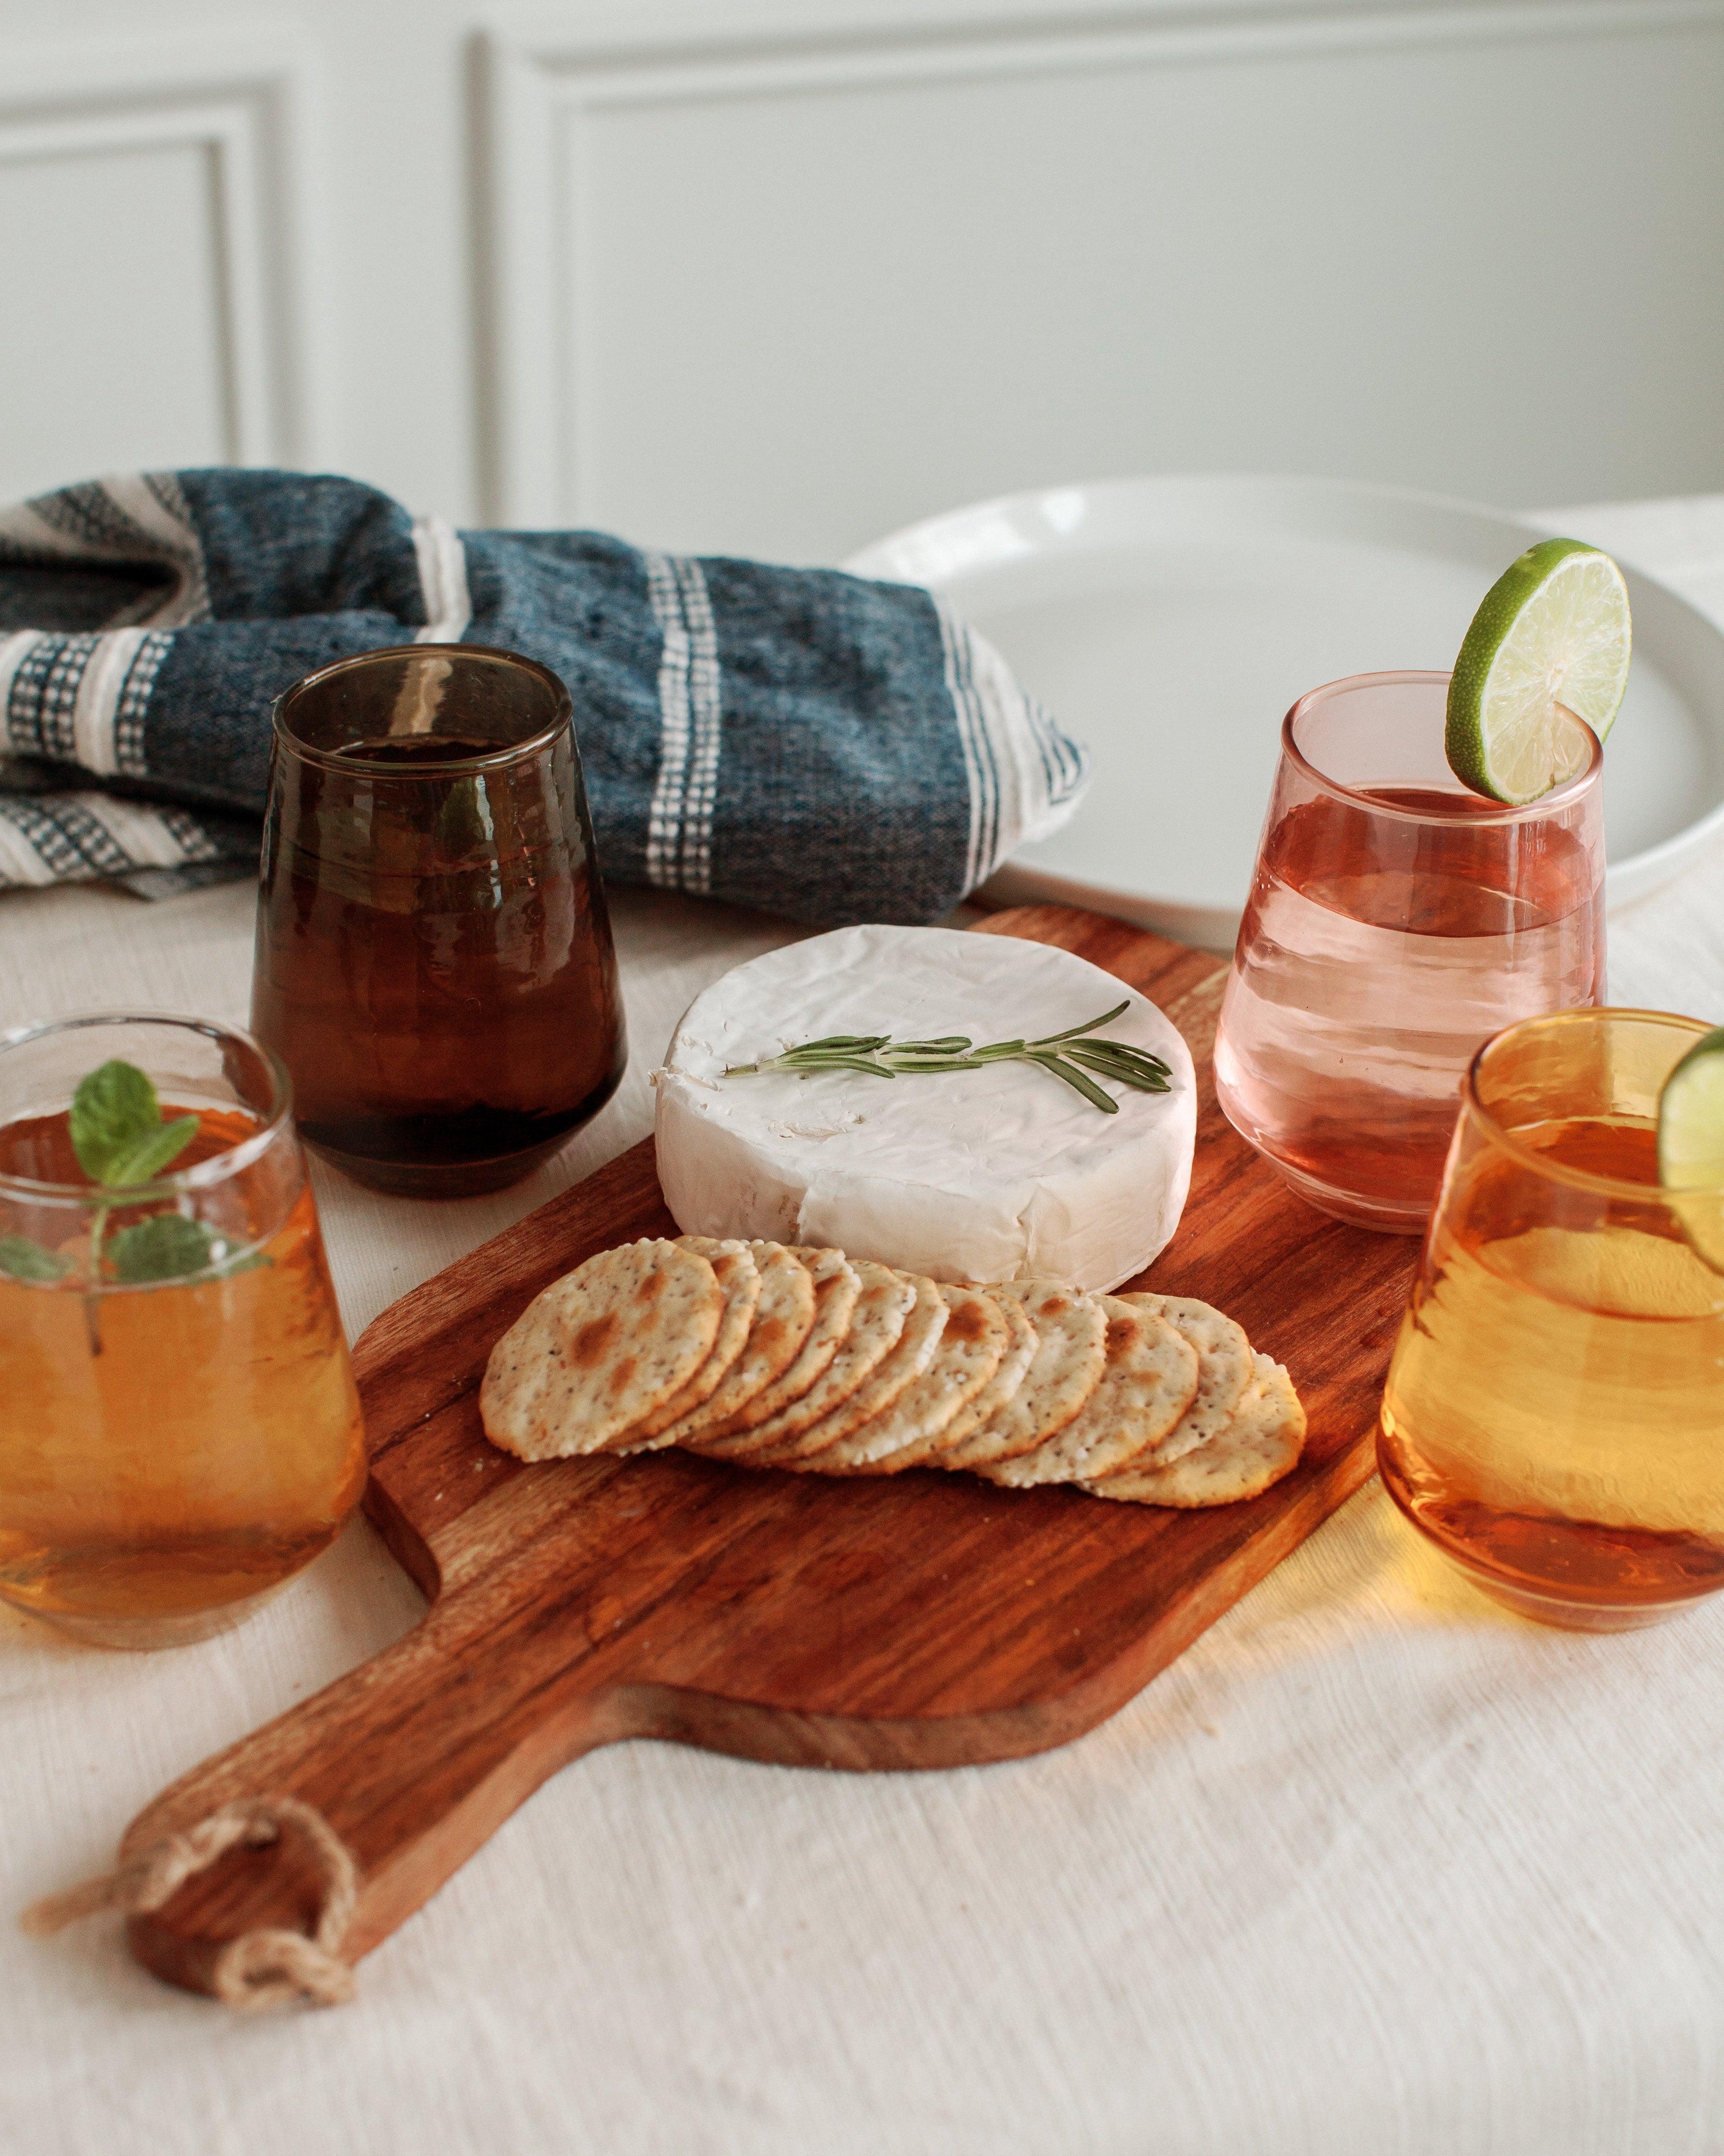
[1395, 923]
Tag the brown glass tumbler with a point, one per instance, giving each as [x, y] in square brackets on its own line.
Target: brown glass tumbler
[434, 962]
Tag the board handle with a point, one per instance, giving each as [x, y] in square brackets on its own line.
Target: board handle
[413, 1760]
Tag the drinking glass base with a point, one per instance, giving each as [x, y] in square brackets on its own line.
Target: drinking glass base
[1386, 1216]
[1570, 1616]
[180, 1629]
[466, 1178]
[1546, 1603]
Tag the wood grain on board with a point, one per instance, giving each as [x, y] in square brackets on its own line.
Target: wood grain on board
[924, 1619]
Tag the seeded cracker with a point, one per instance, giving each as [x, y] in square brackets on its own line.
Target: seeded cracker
[876, 1326]
[838, 1292]
[908, 1356]
[975, 1415]
[1071, 1353]
[784, 1318]
[1225, 1371]
[739, 1282]
[1261, 1445]
[1148, 1383]
[599, 1349]
[966, 1355]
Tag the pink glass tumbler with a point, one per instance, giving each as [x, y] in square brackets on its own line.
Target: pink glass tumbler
[1396, 921]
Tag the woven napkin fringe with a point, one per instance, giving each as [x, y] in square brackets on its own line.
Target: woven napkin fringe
[262, 1969]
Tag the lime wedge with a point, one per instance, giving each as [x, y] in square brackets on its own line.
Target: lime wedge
[1691, 1145]
[1550, 636]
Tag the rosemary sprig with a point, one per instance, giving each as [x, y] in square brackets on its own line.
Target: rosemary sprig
[1073, 1055]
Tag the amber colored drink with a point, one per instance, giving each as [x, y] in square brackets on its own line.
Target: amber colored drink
[435, 961]
[1554, 1414]
[171, 1450]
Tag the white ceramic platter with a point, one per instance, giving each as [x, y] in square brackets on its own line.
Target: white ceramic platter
[1170, 623]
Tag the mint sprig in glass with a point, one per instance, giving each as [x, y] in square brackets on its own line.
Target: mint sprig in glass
[179, 1430]
[125, 1144]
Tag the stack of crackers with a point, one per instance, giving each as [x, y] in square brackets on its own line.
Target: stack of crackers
[780, 1357]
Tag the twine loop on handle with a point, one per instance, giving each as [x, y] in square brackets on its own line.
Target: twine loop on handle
[269, 1967]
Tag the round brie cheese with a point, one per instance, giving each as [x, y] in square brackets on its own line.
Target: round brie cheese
[1002, 1173]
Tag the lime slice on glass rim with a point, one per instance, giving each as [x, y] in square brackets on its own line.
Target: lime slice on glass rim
[1552, 635]
[1691, 1145]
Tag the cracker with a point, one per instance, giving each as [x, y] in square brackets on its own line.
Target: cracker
[1150, 1377]
[784, 1318]
[966, 1354]
[1027, 1291]
[599, 1349]
[1071, 1353]
[876, 1324]
[887, 1376]
[1225, 1371]
[1261, 1445]
[837, 1287]
[1013, 1366]
[739, 1283]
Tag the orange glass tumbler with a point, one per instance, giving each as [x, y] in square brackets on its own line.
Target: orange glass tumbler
[1553, 1420]
[179, 1428]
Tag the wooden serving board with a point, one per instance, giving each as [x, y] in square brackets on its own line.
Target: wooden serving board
[922, 1619]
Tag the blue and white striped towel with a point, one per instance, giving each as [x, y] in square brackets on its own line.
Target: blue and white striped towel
[798, 740]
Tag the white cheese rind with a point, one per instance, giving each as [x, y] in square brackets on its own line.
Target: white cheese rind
[987, 1175]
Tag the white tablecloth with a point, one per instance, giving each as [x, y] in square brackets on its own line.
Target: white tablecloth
[1373, 1867]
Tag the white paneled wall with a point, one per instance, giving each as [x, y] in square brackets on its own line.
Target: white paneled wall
[140, 220]
[153, 201]
[776, 278]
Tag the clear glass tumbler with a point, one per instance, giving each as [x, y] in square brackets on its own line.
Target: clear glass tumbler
[179, 1429]
[434, 962]
[1395, 921]
[1554, 1415]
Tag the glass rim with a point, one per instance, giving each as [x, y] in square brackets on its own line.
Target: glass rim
[1488, 813]
[505, 753]
[1555, 1171]
[232, 1160]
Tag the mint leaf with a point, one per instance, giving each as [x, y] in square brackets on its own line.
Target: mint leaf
[112, 1109]
[166, 1246]
[26, 1260]
[145, 1160]
[117, 1130]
